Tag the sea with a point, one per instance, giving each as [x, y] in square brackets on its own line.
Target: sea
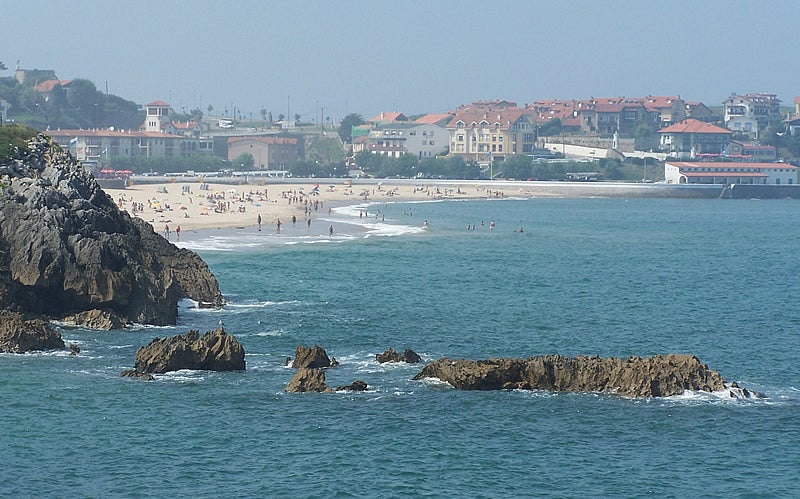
[485, 278]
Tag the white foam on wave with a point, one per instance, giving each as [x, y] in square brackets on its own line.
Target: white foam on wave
[729, 395]
[262, 304]
[182, 376]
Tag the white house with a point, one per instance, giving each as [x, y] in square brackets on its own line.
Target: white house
[681, 172]
[398, 138]
[742, 111]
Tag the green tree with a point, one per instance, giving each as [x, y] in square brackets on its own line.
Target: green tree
[347, 124]
[551, 128]
[245, 161]
[518, 167]
[2, 66]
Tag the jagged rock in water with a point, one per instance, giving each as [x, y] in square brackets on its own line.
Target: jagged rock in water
[20, 335]
[96, 319]
[214, 351]
[355, 386]
[315, 357]
[133, 373]
[66, 248]
[409, 356]
[308, 380]
[659, 376]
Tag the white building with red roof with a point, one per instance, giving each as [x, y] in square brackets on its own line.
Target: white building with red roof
[729, 173]
[691, 137]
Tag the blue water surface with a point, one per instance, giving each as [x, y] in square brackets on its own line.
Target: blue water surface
[610, 277]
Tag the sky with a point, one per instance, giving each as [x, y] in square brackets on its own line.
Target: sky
[331, 58]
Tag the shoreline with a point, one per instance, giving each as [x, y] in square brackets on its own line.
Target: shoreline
[193, 205]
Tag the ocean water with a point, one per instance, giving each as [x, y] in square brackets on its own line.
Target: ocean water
[611, 277]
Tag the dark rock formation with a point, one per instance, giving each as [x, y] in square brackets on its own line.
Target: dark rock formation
[66, 248]
[18, 335]
[308, 380]
[315, 357]
[214, 351]
[133, 373]
[355, 386]
[659, 376]
[74, 349]
[96, 319]
[408, 355]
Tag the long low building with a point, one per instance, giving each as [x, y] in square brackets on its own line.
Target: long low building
[730, 173]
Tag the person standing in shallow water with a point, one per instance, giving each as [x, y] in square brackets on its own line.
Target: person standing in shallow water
[178, 233]
[330, 230]
[259, 221]
[166, 231]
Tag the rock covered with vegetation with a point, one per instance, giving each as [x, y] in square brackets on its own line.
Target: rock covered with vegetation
[658, 376]
[65, 247]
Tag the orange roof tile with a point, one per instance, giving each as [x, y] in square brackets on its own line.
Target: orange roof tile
[49, 85]
[158, 103]
[694, 126]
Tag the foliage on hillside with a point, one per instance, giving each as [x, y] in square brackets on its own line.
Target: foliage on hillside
[80, 105]
[14, 138]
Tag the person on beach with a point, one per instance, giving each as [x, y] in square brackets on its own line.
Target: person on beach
[308, 223]
[330, 230]
[278, 226]
[166, 231]
[178, 232]
[259, 222]
[294, 220]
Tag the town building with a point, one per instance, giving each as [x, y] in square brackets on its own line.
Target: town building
[742, 113]
[729, 173]
[398, 138]
[268, 152]
[691, 137]
[698, 111]
[487, 130]
[97, 147]
[157, 137]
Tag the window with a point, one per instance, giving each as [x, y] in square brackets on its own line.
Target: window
[460, 137]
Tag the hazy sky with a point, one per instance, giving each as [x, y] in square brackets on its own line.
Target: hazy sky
[408, 56]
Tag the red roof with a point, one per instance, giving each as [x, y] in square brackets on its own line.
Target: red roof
[432, 119]
[49, 85]
[723, 174]
[388, 118]
[158, 103]
[108, 133]
[265, 140]
[694, 126]
[505, 116]
[734, 166]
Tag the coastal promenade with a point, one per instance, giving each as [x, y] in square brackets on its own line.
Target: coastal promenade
[226, 202]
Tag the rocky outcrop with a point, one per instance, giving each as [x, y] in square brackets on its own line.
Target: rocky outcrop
[409, 356]
[308, 380]
[20, 335]
[133, 373]
[659, 376]
[315, 357]
[96, 319]
[65, 247]
[355, 386]
[214, 351]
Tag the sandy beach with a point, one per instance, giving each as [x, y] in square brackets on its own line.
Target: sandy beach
[196, 206]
